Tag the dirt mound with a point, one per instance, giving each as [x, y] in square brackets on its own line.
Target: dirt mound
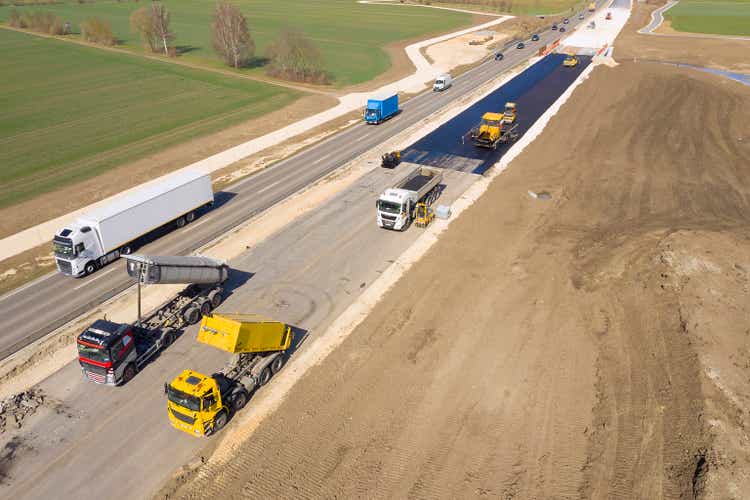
[551, 348]
[15, 409]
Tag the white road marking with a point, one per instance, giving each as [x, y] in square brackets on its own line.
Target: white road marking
[269, 186]
[196, 224]
[87, 282]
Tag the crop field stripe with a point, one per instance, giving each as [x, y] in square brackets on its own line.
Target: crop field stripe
[72, 112]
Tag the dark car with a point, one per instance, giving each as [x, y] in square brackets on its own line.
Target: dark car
[562, 29]
[520, 45]
[554, 27]
[566, 20]
[499, 56]
[580, 16]
[534, 37]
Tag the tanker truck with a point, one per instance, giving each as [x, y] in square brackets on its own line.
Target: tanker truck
[396, 206]
[201, 405]
[111, 353]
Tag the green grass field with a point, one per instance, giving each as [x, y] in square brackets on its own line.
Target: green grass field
[351, 36]
[721, 17]
[69, 112]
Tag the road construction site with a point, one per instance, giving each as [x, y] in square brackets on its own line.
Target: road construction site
[578, 331]
[588, 345]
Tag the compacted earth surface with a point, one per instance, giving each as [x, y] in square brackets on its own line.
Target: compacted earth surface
[593, 343]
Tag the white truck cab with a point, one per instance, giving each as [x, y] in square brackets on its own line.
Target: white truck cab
[394, 208]
[442, 82]
[78, 250]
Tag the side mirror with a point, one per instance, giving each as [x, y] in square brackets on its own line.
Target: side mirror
[165, 387]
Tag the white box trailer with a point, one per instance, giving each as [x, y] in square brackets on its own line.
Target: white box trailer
[396, 205]
[102, 235]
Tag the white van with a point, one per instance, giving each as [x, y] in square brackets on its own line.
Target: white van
[442, 82]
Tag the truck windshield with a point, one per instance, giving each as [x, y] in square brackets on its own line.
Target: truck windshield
[371, 113]
[63, 250]
[182, 399]
[389, 207]
[99, 354]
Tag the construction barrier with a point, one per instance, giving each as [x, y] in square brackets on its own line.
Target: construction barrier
[549, 48]
[601, 51]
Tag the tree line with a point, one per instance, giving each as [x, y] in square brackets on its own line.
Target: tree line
[292, 56]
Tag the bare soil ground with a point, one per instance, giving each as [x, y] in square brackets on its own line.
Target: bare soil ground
[727, 54]
[590, 345]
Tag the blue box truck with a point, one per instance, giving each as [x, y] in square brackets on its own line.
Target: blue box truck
[381, 108]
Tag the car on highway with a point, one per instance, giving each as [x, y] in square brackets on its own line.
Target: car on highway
[554, 27]
[520, 45]
[562, 29]
[499, 56]
[534, 37]
[566, 20]
[580, 16]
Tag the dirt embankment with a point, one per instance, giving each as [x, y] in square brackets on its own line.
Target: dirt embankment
[591, 345]
[683, 48]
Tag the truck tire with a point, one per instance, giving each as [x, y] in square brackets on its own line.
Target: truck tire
[190, 216]
[167, 337]
[180, 222]
[215, 298]
[90, 267]
[126, 250]
[265, 376]
[220, 421]
[191, 315]
[277, 364]
[128, 374]
[206, 308]
[239, 401]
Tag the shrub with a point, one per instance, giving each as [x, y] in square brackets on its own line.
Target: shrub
[97, 30]
[42, 22]
[14, 18]
[294, 57]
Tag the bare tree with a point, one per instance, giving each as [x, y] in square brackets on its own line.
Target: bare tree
[295, 57]
[231, 37]
[160, 24]
[141, 23]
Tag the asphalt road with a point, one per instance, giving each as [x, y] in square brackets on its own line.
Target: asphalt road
[32, 311]
[103, 442]
[533, 91]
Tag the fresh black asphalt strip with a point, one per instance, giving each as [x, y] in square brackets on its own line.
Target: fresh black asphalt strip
[533, 91]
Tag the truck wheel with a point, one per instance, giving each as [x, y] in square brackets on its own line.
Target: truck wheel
[191, 315]
[220, 421]
[240, 400]
[265, 376]
[190, 217]
[167, 337]
[205, 308]
[277, 364]
[90, 268]
[126, 250]
[180, 222]
[128, 374]
[215, 297]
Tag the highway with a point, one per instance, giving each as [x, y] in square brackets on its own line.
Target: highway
[38, 308]
[92, 441]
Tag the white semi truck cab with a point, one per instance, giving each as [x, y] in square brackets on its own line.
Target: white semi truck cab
[115, 229]
[396, 205]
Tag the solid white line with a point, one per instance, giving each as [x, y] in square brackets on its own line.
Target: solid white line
[27, 285]
[196, 224]
[87, 282]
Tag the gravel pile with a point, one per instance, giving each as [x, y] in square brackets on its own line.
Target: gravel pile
[14, 409]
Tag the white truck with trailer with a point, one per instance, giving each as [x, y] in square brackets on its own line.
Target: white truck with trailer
[396, 206]
[102, 235]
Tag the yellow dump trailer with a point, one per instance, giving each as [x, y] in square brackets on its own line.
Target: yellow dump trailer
[200, 404]
[244, 333]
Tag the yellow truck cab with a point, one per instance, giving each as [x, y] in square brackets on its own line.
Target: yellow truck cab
[491, 126]
[201, 405]
[570, 61]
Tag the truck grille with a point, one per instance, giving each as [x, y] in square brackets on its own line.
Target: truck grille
[183, 417]
[65, 266]
[95, 377]
[388, 217]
